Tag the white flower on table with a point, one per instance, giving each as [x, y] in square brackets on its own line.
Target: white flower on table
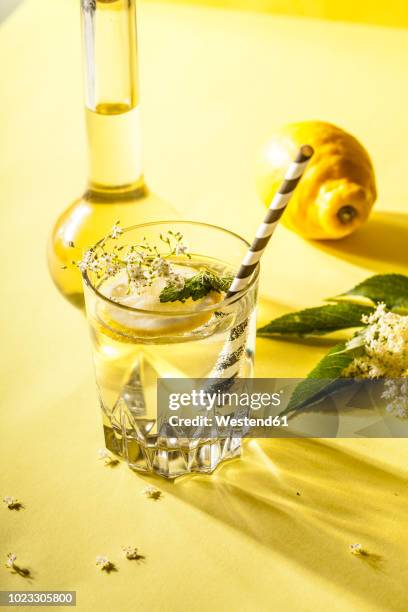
[11, 559]
[107, 457]
[11, 502]
[104, 563]
[356, 549]
[130, 552]
[103, 454]
[151, 492]
[14, 568]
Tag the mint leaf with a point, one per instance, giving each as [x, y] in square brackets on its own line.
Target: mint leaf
[221, 283]
[317, 321]
[323, 379]
[196, 287]
[392, 289]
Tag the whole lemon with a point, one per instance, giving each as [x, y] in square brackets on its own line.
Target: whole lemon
[337, 190]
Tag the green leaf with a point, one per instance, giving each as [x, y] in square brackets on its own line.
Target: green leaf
[196, 287]
[392, 289]
[323, 379]
[317, 321]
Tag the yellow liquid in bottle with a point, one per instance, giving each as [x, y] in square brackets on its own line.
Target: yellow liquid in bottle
[114, 160]
[112, 130]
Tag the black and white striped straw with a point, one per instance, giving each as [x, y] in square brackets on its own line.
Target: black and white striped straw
[281, 199]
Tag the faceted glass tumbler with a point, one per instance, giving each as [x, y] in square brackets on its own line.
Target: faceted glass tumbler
[133, 347]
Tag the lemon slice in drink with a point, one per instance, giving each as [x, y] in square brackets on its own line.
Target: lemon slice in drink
[128, 325]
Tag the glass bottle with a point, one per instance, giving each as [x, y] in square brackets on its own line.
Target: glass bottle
[116, 189]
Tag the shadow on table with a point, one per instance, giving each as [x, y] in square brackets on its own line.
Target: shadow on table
[309, 501]
[381, 245]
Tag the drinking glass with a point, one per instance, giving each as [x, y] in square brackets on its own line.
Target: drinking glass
[133, 347]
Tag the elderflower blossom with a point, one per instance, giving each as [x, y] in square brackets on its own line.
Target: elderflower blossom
[107, 457]
[356, 549]
[11, 502]
[385, 346]
[134, 258]
[11, 559]
[151, 492]
[180, 248]
[142, 263]
[177, 281]
[95, 265]
[103, 454]
[396, 394]
[116, 231]
[162, 267]
[85, 261]
[385, 356]
[104, 563]
[130, 552]
[137, 273]
[112, 266]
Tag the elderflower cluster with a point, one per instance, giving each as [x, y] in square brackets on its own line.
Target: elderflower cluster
[11, 560]
[11, 502]
[142, 263]
[88, 262]
[111, 265]
[396, 394]
[151, 492]
[104, 563]
[107, 457]
[385, 345]
[357, 550]
[130, 552]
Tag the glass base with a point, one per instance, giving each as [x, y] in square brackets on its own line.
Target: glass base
[171, 460]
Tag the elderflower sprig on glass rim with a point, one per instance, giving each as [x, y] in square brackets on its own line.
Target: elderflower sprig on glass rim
[144, 263]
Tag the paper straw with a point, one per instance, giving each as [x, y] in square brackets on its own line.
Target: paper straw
[277, 206]
[229, 360]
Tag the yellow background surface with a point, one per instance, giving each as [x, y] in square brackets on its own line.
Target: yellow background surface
[391, 13]
[215, 84]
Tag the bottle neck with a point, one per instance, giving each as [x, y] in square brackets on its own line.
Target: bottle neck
[112, 96]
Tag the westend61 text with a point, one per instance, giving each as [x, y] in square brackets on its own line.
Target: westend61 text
[228, 421]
